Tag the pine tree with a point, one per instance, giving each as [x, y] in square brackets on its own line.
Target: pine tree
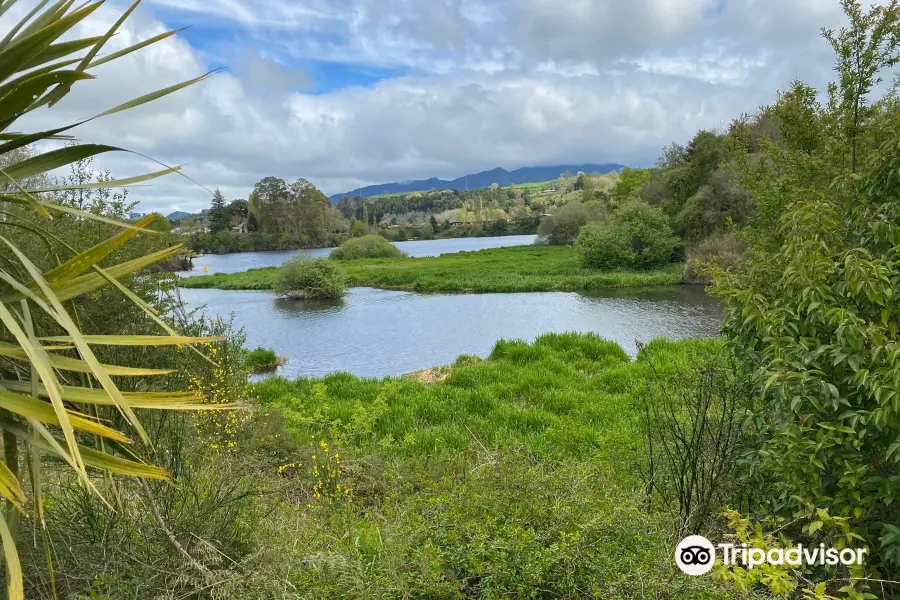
[219, 216]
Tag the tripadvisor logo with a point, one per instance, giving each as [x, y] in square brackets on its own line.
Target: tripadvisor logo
[696, 555]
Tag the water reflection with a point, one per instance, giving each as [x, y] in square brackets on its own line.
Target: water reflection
[293, 306]
[375, 333]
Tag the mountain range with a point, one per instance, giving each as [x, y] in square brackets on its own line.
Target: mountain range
[484, 179]
[178, 214]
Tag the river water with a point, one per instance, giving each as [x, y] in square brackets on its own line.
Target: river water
[241, 261]
[376, 333]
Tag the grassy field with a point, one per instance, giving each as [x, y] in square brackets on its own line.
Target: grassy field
[511, 477]
[514, 269]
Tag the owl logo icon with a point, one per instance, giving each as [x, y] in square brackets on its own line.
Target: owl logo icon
[695, 555]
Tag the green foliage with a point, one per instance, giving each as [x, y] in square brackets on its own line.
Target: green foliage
[277, 216]
[219, 215]
[630, 181]
[60, 401]
[782, 580]
[205, 501]
[637, 235]
[867, 46]
[262, 359]
[368, 246]
[304, 277]
[714, 254]
[513, 269]
[818, 319]
[562, 228]
[717, 206]
[513, 477]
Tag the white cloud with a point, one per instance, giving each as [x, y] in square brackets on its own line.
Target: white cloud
[504, 83]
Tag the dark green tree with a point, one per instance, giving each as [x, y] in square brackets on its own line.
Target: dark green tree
[219, 215]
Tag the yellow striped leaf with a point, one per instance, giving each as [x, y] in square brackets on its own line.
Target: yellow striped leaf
[10, 488]
[137, 340]
[15, 587]
[32, 408]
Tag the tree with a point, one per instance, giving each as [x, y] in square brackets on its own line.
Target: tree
[798, 115]
[219, 215]
[587, 188]
[630, 182]
[434, 224]
[637, 235]
[562, 228]
[865, 48]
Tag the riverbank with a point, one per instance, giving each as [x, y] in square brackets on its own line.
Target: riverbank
[491, 479]
[510, 269]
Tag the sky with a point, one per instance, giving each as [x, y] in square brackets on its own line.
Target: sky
[347, 93]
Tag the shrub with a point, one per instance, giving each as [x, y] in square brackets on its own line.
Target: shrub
[304, 277]
[262, 359]
[720, 252]
[817, 319]
[693, 399]
[637, 235]
[368, 246]
[562, 228]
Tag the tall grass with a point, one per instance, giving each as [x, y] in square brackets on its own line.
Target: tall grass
[512, 477]
[304, 277]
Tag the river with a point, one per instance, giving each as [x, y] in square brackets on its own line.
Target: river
[241, 261]
[376, 333]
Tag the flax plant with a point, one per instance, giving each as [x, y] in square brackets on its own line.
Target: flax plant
[42, 414]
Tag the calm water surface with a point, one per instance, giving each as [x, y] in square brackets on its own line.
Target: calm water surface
[241, 261]
[375, 333]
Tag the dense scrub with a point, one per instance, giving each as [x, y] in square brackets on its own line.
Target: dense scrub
[514, 269]
[368, 246]
[635, 236]
[304, 277]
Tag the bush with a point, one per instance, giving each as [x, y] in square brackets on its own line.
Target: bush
[304, 277]
[637, 235]
[368, 246]
[562, 228]
[693, 398]
[262, 359]
[720, 252]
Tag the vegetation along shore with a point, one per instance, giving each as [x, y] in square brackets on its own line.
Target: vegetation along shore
[513, 269]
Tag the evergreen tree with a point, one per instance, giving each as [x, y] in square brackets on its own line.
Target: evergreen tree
[219, 215]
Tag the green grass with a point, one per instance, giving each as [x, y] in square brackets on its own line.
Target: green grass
[514, 269]
[261, 360]
[513, 477]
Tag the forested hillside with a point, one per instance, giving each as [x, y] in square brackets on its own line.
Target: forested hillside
[484, 179]
[281, 216]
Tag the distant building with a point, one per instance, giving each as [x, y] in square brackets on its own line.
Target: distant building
[239, 224]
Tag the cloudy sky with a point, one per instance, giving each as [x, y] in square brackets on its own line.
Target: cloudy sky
[347, 93]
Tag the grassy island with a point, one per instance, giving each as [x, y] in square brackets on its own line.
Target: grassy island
[513, 269]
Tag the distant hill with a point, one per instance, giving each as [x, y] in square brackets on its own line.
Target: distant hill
[484, 179]
[178, 214]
